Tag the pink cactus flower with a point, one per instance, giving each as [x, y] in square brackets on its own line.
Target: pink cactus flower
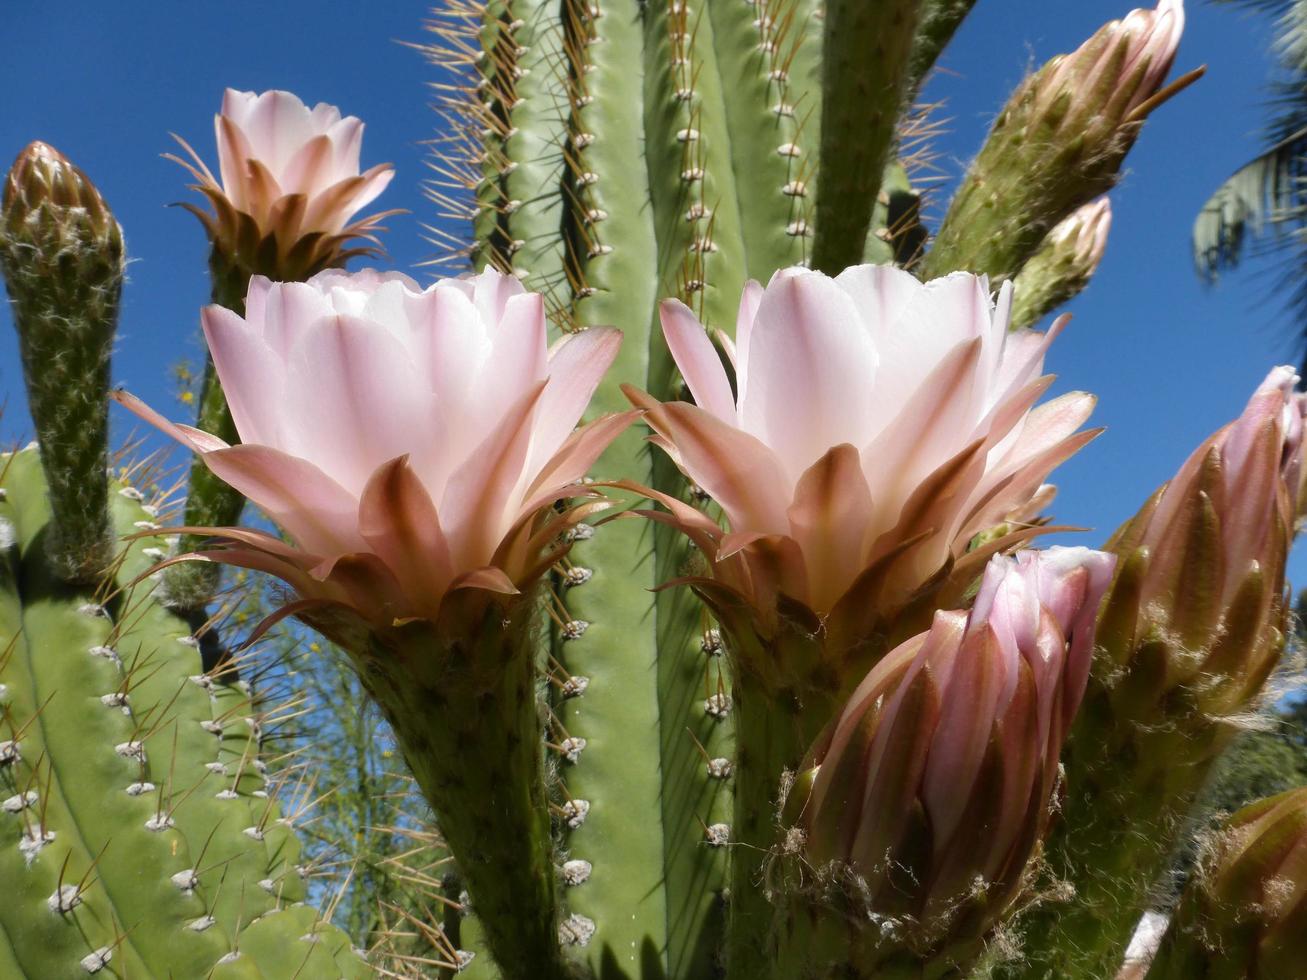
[410, 442]
[290, 173]
[879, 424]
[938, 772]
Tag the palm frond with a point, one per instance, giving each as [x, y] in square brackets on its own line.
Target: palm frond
[1264, 194]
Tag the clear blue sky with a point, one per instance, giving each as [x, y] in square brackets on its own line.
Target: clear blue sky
[1170, 359]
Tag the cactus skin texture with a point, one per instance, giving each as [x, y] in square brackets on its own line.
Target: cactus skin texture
[132, 781]
[62, 255]
[612, 154]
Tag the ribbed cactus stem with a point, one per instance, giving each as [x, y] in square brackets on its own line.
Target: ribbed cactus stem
[864, 73]
[62, 255]
[463, 705]
[209, 501]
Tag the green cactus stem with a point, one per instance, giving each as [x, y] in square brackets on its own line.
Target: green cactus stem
[137, 835]
[864, 75]
[209, 501]
[938, 22]
[62, 256]
[461, 696]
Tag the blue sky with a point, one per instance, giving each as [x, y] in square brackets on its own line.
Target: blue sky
[1170, 359]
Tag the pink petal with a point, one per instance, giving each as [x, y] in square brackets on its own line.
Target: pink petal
[399, 521]
[253, 377]
[935, 320]
[575, 457]
[194, 439]
[881, 293]
[354, 400]
[309, 170]
[829, 520]
[477, 508]
[576, 366]
[315, 510]
[734, 468]
[697, 360]
[277, 126]
[750, 298]
[811, 369]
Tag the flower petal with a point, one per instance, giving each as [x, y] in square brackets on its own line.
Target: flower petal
[697, 360]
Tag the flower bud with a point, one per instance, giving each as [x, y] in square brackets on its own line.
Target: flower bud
[1202, 586]
[1246, 909]
[1064, 264]
[931, 789]
[1059, 143]
[62, 255]
[1192, 627]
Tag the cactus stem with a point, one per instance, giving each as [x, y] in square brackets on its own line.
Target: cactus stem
[866, 54]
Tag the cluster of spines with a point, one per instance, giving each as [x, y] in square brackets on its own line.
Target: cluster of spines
[477, 56]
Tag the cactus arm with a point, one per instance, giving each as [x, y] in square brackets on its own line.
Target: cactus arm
[755, 46]
[939, 21]
[702, 217]
[81, 751]
[538, 120]
[69, 760]
[865, 64]
[611, 250]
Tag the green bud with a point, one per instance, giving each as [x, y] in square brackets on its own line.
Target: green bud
[1244, 913]
[62, 255]
[1063, 266]
[1059, 143]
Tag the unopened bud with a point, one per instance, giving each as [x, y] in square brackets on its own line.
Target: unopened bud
[932, 788]
[1059, 143]
[62, 255]
[1246, 908]
[1064, 264]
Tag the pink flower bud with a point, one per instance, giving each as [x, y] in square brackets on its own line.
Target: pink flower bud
[411, 442]
[1247, 906]
[933, 784]
[1226, 515]
[1129, 58]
